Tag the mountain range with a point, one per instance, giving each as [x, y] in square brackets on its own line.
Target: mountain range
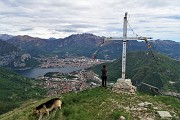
[85, 44]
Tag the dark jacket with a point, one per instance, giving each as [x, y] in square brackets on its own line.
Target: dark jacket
[104, 71]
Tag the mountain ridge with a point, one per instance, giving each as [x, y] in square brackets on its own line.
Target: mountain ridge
[102, 104]
[5, 37]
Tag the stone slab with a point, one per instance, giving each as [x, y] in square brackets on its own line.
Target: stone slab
[164, 114]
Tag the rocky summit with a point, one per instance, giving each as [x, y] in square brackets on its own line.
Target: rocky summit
[124, 86]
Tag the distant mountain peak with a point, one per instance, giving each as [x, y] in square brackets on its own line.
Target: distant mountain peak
[82, 35]
[52, 38]
[26, 38]
[5, 36]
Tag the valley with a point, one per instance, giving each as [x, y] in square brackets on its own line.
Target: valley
[89, 60]
[47, 58]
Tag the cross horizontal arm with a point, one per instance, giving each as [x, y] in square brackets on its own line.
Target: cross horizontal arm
[113, 38]
[128, 38]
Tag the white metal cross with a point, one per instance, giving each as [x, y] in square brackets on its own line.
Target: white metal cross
[124, 39]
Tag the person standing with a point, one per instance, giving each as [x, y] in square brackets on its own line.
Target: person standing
[104, 76]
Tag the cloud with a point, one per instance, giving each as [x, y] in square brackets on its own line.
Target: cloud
[26, 29]
[68, 30]
[60, 18]
[173, 17]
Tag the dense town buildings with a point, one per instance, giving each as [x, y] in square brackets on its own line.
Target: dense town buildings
[82, 62]
[70, 82]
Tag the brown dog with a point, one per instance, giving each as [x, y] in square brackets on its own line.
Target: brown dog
[48, 106]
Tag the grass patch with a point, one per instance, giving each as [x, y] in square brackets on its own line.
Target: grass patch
[97, 104]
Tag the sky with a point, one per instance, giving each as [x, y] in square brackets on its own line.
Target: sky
[159, 19]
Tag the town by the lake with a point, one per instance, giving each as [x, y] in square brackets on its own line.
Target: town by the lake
[78, 80]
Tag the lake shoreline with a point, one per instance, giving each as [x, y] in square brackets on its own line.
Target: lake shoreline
[36, 71]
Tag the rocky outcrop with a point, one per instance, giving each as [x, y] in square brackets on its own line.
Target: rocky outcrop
[21, 61]
[122, 118]
[124, 86]
[150, 111]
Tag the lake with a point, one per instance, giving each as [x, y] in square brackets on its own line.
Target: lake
[36, 72]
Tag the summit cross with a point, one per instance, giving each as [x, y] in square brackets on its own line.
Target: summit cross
[124, 39]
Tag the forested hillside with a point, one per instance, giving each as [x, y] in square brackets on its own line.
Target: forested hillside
[14, 89]
[142, 67]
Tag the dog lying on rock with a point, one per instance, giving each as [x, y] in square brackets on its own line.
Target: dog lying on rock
[46, 107]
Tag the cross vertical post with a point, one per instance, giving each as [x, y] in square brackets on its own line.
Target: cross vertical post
[124, 46]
